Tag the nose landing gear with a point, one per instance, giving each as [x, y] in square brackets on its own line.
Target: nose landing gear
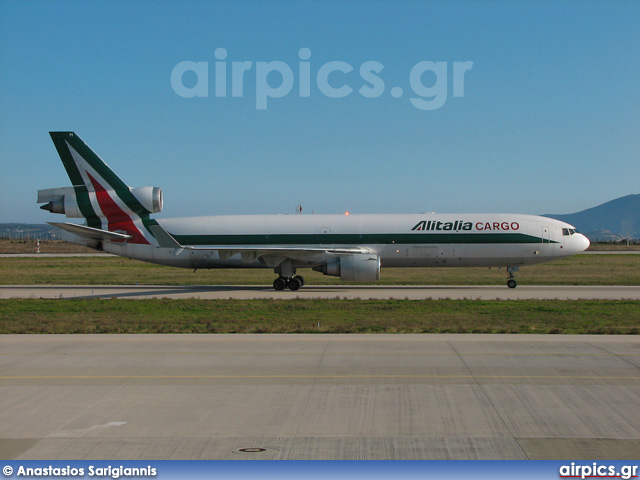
[511, 283]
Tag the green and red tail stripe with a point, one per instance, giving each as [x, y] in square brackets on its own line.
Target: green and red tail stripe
[104, 200]
[117, 219]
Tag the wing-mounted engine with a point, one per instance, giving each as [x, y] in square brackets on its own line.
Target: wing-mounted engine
[353, 268]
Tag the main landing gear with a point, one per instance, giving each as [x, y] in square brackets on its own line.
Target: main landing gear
[294, 283]
[511, 283]
[287, 277]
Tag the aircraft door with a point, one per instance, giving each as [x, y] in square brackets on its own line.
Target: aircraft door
[546, 236]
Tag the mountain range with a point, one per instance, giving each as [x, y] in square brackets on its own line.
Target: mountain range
[611, 221]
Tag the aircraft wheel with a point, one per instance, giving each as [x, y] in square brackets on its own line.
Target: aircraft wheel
[295, 284]
[280, 283]
[512, 283]
[301, 278]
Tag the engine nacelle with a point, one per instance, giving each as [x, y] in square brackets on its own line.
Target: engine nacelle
[63, 200]
[149, 197]
[358, 267]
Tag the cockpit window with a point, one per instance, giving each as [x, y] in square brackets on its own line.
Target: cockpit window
[568, 231]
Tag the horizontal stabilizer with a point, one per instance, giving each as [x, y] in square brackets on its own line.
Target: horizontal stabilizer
[90, 232]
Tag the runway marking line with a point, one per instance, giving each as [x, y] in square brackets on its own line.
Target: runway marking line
[399, 354]
[122, 377]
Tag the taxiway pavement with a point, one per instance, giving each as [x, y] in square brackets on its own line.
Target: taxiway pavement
[367, 292]
[319, 397]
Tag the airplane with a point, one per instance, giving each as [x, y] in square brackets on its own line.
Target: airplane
[117, 219]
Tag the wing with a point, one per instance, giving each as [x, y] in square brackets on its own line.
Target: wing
[250, 252]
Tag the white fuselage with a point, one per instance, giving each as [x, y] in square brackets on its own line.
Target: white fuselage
[406, 240]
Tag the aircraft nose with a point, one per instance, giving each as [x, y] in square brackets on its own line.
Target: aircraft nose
[584, 242]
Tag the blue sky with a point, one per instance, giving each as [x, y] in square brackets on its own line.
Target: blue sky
[549, 121]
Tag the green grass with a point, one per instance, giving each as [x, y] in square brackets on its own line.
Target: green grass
[318, 316]
[577, 270]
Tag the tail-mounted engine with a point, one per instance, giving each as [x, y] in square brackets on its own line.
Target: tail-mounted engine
[63, 200]
[60, 200]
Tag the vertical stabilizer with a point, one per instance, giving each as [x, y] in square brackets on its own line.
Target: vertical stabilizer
[98, 195]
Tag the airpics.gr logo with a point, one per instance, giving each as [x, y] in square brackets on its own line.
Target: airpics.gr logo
[432, 225]
[430, 82]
